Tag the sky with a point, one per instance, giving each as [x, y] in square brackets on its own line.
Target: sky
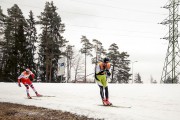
[146, 102]
[132, 24]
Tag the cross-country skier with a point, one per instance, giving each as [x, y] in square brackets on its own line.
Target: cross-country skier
[102, 72]
[26, 77]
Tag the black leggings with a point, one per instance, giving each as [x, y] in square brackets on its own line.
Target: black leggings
[102, 92]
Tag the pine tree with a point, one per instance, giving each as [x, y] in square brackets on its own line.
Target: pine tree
[120, 64]
[51, 41]
[169, 80]
[86, 50]
[123, 74]
[31, 36]
[15, 42]
[2, 22]
[99, 53]
[2, 42]
[113, 55]
[138, 78]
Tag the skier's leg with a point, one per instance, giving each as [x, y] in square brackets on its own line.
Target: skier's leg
[101, 92]
[27, 91]
[106, 92]
[101, 86]
[105, 84]
[31, 85]
[99, 82]
[107, 96]
[102, 95]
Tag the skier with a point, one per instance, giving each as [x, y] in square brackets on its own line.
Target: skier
[101, 74]
[26, 77]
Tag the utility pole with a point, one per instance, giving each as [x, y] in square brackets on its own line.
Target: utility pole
[171, 67]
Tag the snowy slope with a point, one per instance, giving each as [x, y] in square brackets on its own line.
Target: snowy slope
[148, 102]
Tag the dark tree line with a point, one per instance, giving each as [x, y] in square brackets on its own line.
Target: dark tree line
[18, 39]
[18, 47]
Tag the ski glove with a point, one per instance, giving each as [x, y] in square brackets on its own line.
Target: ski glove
[19, 84]
[101, 72]
[108, 73]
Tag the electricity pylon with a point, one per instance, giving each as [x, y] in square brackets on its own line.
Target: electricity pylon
[171, 69]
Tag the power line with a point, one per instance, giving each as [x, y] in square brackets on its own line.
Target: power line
[111, 29]
[118, 34]
[91, 16]
[127, 9]
[114, 18]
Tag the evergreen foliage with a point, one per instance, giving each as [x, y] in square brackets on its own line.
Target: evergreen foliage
[169, 80]
[99, 51]
[2, 42]
[31, 37]
[15, 47]
[50, 42]
[120, 64]
[138, 78]
[86, 50]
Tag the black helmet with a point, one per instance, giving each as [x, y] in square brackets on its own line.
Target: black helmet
[106, 59]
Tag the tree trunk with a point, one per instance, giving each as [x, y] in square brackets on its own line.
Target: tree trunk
[85, 69]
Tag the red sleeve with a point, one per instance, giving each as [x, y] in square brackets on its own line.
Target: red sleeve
[32, 75]
[19, 80]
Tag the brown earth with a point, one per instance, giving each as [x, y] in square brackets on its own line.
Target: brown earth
[10, 111]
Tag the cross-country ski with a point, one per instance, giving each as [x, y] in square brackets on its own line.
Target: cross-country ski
[115, 106]
[44, 96]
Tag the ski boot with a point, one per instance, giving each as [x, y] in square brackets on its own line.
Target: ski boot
[28, 96]
[38, 95]
[108, 103]
[104, 102]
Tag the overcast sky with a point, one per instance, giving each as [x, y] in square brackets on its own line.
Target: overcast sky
[131, 24]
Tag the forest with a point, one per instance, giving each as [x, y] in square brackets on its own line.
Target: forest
[22, 46]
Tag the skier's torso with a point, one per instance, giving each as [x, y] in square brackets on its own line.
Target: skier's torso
[102, 66]
[25, 75]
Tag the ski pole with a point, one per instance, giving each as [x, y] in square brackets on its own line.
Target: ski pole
[86, 76]
[12, 80]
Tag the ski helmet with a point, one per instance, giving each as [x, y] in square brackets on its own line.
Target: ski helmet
[106, 59]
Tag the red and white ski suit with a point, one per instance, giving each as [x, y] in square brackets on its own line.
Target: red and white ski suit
[24, 77]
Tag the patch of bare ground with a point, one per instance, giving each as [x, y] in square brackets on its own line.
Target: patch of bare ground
[10, 111]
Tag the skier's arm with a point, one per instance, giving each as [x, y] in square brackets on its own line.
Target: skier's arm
[19, 80]
[107, 69]
[99, 71]
[108, 73]
[31, 77]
